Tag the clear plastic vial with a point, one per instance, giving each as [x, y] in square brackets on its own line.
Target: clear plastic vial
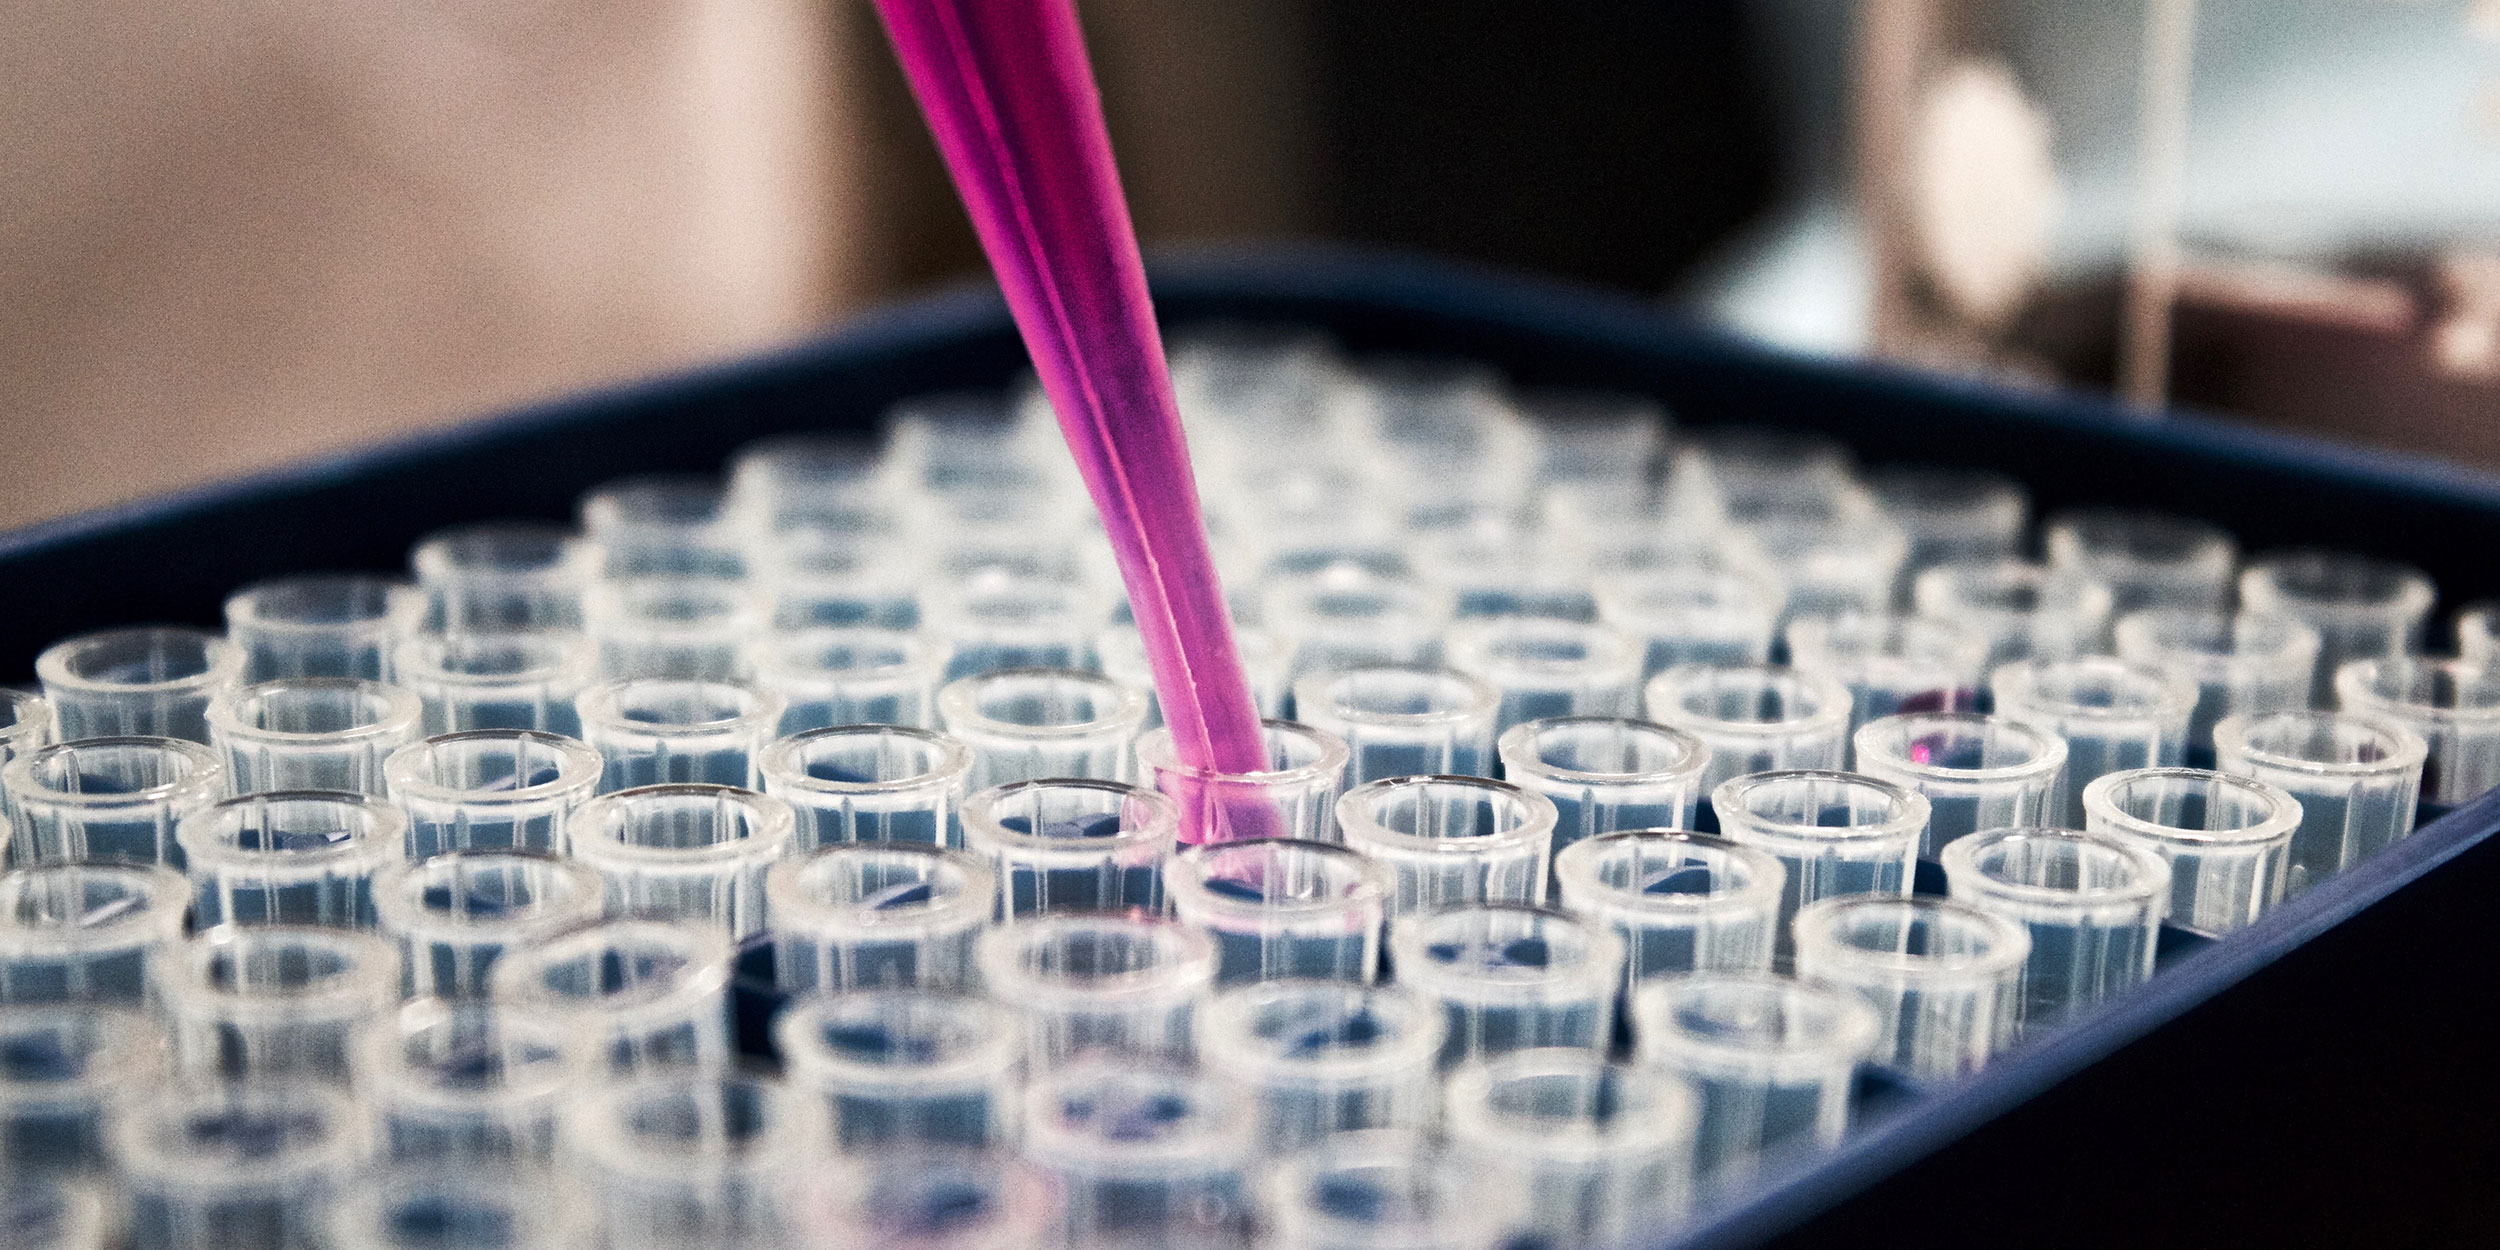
[1945, 978]
[690, 628]
[635, 994]
[88, 932]
[1125, 984]
[291, 857]
[1318, 1058]
[1294, 796]
[2147, 559]
[870, 783]
[2242, 665]
[2113, 715]
[1141, 1152]
[1072, 846]
[1693, 613]
[221, 1166]
[1592, 1153]
[848, 917]
[1025, 724]
[108, 798]
[507, 680]
[903, 1069]
[664, 524]
[70, 1071]
[1976, 772]
[1753, 717]
[1544, 667]
[2362, 608]
[658, 731]
[455, 914]
[1680, 902]
[2452, 705]
[277, 1002]
[140, 682]
[1770, 1060]
[311, 733]
[2357, 779]
[1833, 833]
[1605, 773]
[2092, 903]
[433, 1207]
[854, 676]
[2025, 611]
[1282, 908]
[1512, 977]
[1365, 1191]
[490, 790]
[1345, 617]
[1402, 722]
[321, 625]
[1892, 664]
[470, 1084]
[507, 575]
[690, 853]
[1952, 515]
[1448, 841]
[2227, 838]
[675, 1159]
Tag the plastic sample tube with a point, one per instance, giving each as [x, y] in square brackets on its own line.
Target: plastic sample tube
[1125, 984]
[1838, 556]
[87, 931]
[2362, 608]
[672, 1160]
[2092, 903]
[995, 619]
[2026, 611]
[1944, 978]
[290, 857]
[856, 676]
[1952, 515]
[456, 914]
[902, 1069]
[2227, 838]
[1753, 717]
[311, 733]
[474, 1084]
[2242, 665]
[509, 680]
[690, 853]
[870, 783]
[2451, 705]
[1976, 772]
[108, 798]
[1771, 1060]
[2357, 779]
[1317, 1058]
[501, 576]
[1693, 614]
[1060, 846]
[839, 577]
[2478, 632]
[277, 1002]
[1367, 1190]
[216, 1167]
[150, 681]
[1263, 657]
[58, 1213]
[928, 1200]
[1344, 617]
[432, 1208]
[2113, 715]
[1833, 833]
[1511, 977]
[658, 731]
[1605, 773]
[1449, 841]
[1294, 797]
[1591, 1152]
[1679, 902]
[490, 790]
[1025, 724]
[877, 914]
[664, 525]
[69, 1071]
[690, 628]
[1545, 668]
[1494, 567]
[1402, 722]
[321, 625]
[2147, 559]
[1278, 908]
[635, 994]
[1750, 465]
[1891, 664]
[1140, 1152]
[791, 481]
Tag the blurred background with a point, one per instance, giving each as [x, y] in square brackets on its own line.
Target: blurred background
[238, 233]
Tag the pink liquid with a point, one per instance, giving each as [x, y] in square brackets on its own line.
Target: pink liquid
[1010, 96]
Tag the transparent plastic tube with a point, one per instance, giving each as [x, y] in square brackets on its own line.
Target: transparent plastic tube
[88, 932]
[216, 1167]
[1595, 436]
[108, 798]
[870, 783]
[2092, 903]
[2113, 715]
[2147, 559]
[657, 731]
[69, 1071]
[470, 1083]
[291, 857]
[501, 576]
[1295, 797]
[2227, 838]
[790, 481]
[1752, 465]
[1834, 833]
[1449, 841]
[1693, 614]
[2362, 608]
[664, 525]
[1344, 617]
[1952, 515]
[1892, 664]
[995, 619]
[321, 625]
[1072, 846]
[1544, 668]
[1364, 1191]
[690, 853]
[1141, 1153]
[277, 1002]
[901, 1069]
[311, 733]
[57, 1213]
[1512, 977]
[1838, 557]
[2026, 611]
[1770, 1060]
[690, 628]
[1753, 717]
[860, 676]
[2357, 779]
[1025, 724]
[509, 680]
[929, 1200]
[149, 681]
[1127, 984]
[1278, 908]
[877, 914]
[1494, 567]
[2242, 665]
[1944, 978]
[1679, 902]
[2451, 705]
[2478, 632]
[1592, 1152]
[1605, 773]
[490, 790]
[1317, 1058]
[1402, 722]
[445, 1208]
[456, 914]
[1263, 659]
[863, 577]
[635, 994]
[673, 1160]
[1976, 772]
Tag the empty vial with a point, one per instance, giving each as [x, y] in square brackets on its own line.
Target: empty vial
[456, 914]
[2113, 715]
[109, 798]
[1279, 908]
[1511, 977]
[2092, 903]
[2227, 838]
[507, 680]
[321, 625]
[898, 1069]
[1403, 722]
[291, 857]
[689, 853]
[1448, 841]
[1945, 978]
[88, 932]
[657, 731]
[1061, 846]
[877, 914]
[311, 733]
[1680, 902]
[145, 681]
[1025, 724]
[1770, 1060]
[490, 790]
[1976, 772]
[870, 783]
[1318, 1058]
[2357, 779]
